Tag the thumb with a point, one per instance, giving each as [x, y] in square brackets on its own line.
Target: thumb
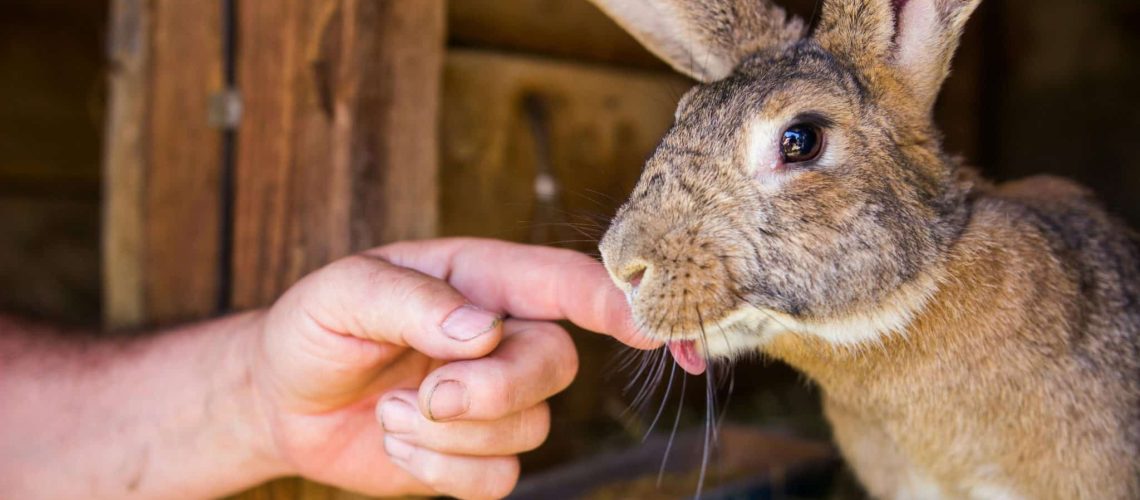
[372, 299]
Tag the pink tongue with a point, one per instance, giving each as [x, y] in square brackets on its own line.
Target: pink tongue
[686, 355]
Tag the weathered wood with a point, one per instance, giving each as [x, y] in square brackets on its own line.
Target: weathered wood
[182, 195]
[162, 162]
[596, 126]
[124, 163]
[542, 152]
[568, 29]
[337, 150]
[571, 29]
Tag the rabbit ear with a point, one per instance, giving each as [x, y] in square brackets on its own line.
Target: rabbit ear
[929, 32]
[915, 39]
[704, 39]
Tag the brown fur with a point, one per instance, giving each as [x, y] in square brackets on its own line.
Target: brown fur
[994, 346]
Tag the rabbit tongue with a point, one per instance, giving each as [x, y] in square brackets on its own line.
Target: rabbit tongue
[685, 354]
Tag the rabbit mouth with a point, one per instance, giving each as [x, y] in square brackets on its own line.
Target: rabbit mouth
[739, 332]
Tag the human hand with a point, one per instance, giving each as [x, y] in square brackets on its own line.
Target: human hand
[410, 335]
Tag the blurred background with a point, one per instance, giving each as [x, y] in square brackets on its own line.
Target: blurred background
[166, 160]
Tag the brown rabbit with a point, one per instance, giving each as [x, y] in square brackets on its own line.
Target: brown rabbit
[970, 340]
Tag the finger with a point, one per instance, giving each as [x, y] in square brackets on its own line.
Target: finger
[525, 281]
[516, 433]
[369, 298]
[535, 361]
[455, 475]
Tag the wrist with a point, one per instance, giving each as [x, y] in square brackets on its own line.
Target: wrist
[256, 430]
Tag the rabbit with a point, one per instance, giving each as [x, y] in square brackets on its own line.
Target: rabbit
[969, 339]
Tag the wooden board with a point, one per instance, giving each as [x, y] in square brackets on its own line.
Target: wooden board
[542, 152]
[510, 118]
[337, 151]
[162, 162]
[569, 29]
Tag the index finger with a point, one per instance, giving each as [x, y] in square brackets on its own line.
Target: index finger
[525, 281]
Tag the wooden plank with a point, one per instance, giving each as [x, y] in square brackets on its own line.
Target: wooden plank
[542, 152]
[571, 29]
[162, 162]
[567, 29]
[185, 162]
[337, 150]
[598, 126]
[125, 163]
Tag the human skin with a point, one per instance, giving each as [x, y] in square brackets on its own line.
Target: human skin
[386, 373]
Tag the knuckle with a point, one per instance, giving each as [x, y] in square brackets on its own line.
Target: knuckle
[502, 393]
[355, 265]
[492, 392]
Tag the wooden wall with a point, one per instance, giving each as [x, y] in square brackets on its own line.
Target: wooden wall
[334, 151]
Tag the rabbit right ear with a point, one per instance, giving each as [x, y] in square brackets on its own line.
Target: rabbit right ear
[704, 39]
[912, 39]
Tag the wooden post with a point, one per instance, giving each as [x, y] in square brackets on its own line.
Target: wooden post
[162, 163]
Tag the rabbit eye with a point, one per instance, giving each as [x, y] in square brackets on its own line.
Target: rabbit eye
[801, 143]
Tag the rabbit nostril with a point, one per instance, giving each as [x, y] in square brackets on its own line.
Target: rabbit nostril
[634, 278]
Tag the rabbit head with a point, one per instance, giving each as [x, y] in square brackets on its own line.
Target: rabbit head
[803, 184]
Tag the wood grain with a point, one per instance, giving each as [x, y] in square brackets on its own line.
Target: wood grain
[541, 151]
[182, 196]
[162, 162]
[568, 29]
[125, 162]
[596, 125]
[337, 150]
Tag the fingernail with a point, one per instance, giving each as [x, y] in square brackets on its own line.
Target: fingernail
[468, 322]
[397, 416]
[398, 449]
[448, 399]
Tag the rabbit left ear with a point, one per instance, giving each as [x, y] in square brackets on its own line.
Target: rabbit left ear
[916, 39]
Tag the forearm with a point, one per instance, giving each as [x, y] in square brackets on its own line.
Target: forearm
[167, 416]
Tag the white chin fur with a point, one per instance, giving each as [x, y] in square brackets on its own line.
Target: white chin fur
[748, 329]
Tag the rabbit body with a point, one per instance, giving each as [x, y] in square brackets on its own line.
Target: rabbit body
[969, 340]
[1019, 379]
